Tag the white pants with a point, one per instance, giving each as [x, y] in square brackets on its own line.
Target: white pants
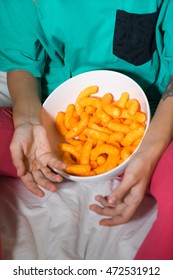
[5, 99]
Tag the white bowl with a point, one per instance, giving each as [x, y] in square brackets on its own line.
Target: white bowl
[67, 92]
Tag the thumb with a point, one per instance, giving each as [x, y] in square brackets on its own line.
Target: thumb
[18, 161]
[121, 191]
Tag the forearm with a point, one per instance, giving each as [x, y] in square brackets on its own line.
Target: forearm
[24, 89]
[160, 132]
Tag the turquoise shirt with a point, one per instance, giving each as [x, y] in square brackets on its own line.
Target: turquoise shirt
[58, 39]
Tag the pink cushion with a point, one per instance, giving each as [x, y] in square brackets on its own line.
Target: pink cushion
[0, 249]
[158, 244]
[6, 131]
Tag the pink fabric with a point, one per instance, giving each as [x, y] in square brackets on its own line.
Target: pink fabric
[158, 244]
[0, 249]
[6, 131]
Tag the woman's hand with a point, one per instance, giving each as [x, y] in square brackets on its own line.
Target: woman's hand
[122, 203]
[31, 155]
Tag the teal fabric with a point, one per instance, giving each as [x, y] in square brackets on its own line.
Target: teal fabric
[59, 39]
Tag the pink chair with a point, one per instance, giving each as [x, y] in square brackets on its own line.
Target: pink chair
[6, 132]
[0, 249]
[159, 241]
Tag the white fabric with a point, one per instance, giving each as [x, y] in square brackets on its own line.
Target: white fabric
[5, 99]
[61, 226]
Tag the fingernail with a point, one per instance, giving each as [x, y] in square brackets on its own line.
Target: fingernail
[59, 179]
[111, 200]
[102, 223]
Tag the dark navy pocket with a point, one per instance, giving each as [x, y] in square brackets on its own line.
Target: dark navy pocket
[134, 36]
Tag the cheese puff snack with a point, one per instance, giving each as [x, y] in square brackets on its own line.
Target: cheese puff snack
[133, 106]
[100, 132]
[80, 126]
[84, 94]
[68, 115]
[107, 98]
[60, 123]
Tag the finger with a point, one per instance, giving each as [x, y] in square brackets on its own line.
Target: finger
[18, 160]
[103, 200]
[124, 214]
[107, 211]
[122, 190]
[31, 185]
[41, 180]
[123, 217]
[112, 221]
[57, 164]
[50, 175]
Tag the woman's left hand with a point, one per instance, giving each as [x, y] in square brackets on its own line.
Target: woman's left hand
[121, 205]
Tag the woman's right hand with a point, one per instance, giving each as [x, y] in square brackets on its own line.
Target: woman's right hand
[31, 155]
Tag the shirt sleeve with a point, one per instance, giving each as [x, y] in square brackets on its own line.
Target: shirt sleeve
[20, 47]
[167, 29]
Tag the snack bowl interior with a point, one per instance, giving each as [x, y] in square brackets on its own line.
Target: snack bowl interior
[67, 93]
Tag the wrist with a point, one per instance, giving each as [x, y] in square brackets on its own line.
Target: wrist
[25, 92]
[151, 151]
[22, 116]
